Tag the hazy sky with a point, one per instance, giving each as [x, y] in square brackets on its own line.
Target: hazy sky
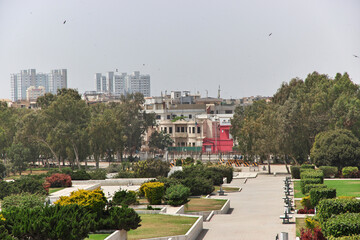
[184, 44]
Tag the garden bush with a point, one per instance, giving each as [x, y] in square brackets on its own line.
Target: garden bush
[226, 171]
[25, 200]
[307, 166]
[154, 191]
[353, 237]
[305, 202]
[329, 171]
[98, 174]
[124, 197]
[30, 184]
[177, 195]
[125, 174]
[306, 181]
[316, 194]
[347, 171]
[199, 186]
[123, 218]
[93, 200]
[59, 180]
[327, 207]
[312, 234]
[80, 175]
[7, 188]
[344, 224]
[71, 222]
[308, 187]
[311, 223]
[313, 174]
[295, 172]
[151, 168]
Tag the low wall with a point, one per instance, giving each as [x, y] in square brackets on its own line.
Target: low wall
[143, 211]
[117, 235]
[224, 209]
[113, 182]
[181, 210]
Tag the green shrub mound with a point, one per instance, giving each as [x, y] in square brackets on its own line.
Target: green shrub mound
[307, 166]
[346, 171]
[344, 224]
[125, 174]
[199, 186]
[153, 191]
[353, 237]
[124, 198]
[316, 194]
[29, 184]
[25, 200]
[80, 175]
[329, 171]
[327, 207]
[177, 195]
[98, 174]
[316, 174]
[308, 187]
[306, 181]
[295, 172]
[119, 218]
[151, 168]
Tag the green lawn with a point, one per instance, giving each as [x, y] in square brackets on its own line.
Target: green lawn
[156, 225]
[298, 205]
[343, 187]
[52, 190]
[204, 204]
[227, 189]
[300, 223]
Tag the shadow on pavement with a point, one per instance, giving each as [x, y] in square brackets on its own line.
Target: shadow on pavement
[230, 211]
[202, 234]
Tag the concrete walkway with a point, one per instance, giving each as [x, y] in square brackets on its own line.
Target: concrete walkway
[255, 212]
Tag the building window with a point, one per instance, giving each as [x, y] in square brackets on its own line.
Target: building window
[199, 130]
[168, 116]
[158, 117]
[170, 129]
[177, 129]
[193, 129]
[182, 129]
[190, 116]
[193, 144]
[189, 129]
[228, 111]
[165, 129]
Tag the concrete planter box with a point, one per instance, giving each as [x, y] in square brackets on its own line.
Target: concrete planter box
[225, 208]
[113, 181]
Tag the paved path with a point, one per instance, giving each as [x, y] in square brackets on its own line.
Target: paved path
[256, 211]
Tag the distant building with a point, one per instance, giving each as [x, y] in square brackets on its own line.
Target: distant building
[20, 82]
[121, 84]
[32, 93]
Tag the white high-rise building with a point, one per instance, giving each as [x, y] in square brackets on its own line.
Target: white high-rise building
[121, 84]
[20, 82]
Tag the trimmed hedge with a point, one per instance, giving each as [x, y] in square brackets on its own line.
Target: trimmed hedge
[307, 166]
[306, 181]
[353, 237]
[329, 171]
[154, 191]
[345, 224]
[313, 174]
[308, 187]
[295, 172]
[177, 195]
[124, 197]
[316, 194]
[346, 171]
[327, 207]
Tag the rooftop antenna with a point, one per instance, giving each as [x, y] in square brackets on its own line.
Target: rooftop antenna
[206, 93]
[219, 92]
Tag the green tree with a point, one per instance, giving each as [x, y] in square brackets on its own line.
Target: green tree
[338, 148]
[160, 140]
[151, 168]
[19, 156]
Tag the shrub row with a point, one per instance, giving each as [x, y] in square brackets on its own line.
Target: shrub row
[329, 171]
[29, 184]
[316, 194]
[347, 172]
[345, 224]
[353, 237]
[306, 181]
[124, 198]
[316, 174]
[308, 187]
[328, 207]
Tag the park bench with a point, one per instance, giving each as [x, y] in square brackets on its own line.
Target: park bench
[286, 217]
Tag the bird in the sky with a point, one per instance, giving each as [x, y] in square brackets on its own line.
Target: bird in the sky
[64, 22]
[270, 34]
[356, 56]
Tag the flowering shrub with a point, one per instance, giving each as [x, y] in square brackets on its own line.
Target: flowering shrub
[305, 210]
[154, 191]
[59, 180]
[314, 234]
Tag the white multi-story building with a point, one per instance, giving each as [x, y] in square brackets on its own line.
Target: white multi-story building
[20, 82]
[121, 84]
[32, 93]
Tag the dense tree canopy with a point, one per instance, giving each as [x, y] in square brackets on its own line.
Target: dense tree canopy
[300, 110]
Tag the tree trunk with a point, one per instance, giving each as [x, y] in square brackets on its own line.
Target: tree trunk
[96, 157]
[287, 168]
[51, 150]
[268, 162]
[76, 156]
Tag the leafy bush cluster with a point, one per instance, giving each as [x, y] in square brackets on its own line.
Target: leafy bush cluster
[316, 174]
[345, 224]
[312, 234]
[25, 200]
[27, 184]
[349, 172]
[306, 211]
[151, 168]
[177, 195]
[153, 191]
[316, 194]
[309, 175]
[59, 180]
[295, 172]
[124, 198]
[306, 181]
[308, 187]
[328, 207]
[353, 237]
[329, 171]
[98, 174]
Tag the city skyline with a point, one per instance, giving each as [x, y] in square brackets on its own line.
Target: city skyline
[248, 48]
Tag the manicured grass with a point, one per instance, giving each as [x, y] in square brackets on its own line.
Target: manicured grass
[298, 205]
[204, 204]
[300, 223]
[227, 189]
[159, 225]
[52, 190]
[97, 236]
[343, 187]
